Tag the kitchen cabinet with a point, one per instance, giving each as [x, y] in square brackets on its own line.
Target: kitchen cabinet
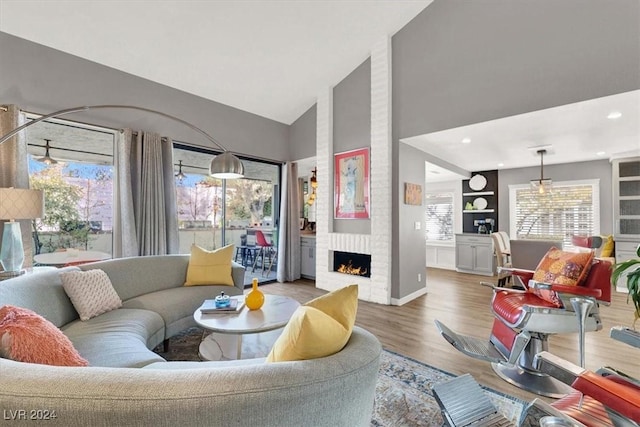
[308, 257]
[474, 254]
[626, 197]
[626, 211]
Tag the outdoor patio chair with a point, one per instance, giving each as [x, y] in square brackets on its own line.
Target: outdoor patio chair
[266, 253]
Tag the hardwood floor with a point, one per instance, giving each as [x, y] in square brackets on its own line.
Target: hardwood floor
[460, 302]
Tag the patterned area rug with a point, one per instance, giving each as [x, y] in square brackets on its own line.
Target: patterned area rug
[403, 392]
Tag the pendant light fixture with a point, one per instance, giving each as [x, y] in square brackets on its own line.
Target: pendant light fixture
[313, 181]
[543, 185]
[47, 158]
[180, 176]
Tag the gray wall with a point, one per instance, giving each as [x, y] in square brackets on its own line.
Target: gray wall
[461, 62]
[42, 80]
[302, 135]
[600, 169]
[352, 128]
[412, 261]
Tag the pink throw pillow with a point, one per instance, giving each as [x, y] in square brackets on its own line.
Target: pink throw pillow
[26, 336]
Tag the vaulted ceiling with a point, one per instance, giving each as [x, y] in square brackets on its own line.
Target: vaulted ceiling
[270, 58]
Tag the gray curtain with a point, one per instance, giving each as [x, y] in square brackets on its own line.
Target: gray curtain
[14, 170]
[289, 230]
[146, 219]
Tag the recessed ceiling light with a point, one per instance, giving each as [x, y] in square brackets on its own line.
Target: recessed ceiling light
[466, 140]
[500, 165]
[600, 153]
[614, 115]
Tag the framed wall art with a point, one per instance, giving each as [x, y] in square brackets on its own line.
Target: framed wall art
[412, 194]
[351, 178]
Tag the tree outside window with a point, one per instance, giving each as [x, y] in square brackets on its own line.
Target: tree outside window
[77, 203]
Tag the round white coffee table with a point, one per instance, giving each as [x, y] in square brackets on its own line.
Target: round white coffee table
[274, 314]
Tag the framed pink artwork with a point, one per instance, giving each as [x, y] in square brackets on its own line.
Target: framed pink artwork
[351, 178]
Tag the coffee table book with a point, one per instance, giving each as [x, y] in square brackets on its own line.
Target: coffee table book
[209, 306]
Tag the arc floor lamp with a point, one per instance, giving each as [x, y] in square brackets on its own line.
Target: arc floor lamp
[224, 166]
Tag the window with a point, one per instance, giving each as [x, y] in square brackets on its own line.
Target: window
[570, 208]
[439, 214]
[77, 182]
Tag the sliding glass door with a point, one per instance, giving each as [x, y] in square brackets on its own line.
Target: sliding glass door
[213, 213]
[73, 164]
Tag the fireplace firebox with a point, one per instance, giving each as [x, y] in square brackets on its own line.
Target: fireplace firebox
[352, 263]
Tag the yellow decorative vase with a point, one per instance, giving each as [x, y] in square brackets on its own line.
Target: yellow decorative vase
[254, 299]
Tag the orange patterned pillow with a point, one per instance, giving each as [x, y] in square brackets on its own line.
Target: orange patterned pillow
[562, 268]
[26, 336]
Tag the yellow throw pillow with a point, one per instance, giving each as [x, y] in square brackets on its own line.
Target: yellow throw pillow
[341, 304]
[210, 268]
[607, 247]
[319, 328]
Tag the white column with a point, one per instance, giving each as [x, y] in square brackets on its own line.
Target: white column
[324, 196]
[381, 167]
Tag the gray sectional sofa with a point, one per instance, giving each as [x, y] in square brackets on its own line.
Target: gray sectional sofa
[128, 384]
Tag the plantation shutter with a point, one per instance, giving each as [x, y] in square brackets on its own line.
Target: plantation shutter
[570, 208]
[439, 216]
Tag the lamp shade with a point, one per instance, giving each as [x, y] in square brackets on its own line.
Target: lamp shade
[20, 203]
[226, 166]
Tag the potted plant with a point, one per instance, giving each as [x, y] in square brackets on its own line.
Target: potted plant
[633, 280]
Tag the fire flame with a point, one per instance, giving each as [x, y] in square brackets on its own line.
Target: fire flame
[350, 269]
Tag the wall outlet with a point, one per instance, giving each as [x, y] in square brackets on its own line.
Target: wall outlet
[417, 225]
[419, 277]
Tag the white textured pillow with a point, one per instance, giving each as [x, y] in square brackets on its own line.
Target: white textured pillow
[91, 292]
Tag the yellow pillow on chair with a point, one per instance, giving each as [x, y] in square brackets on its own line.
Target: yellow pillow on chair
[319, 328]
[210, 268]
[607, 247]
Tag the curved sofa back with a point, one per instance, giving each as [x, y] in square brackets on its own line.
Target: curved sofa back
[41, 292]
[135, 276]
[333, 391]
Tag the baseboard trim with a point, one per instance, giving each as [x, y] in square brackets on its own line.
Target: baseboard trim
[410, 297]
